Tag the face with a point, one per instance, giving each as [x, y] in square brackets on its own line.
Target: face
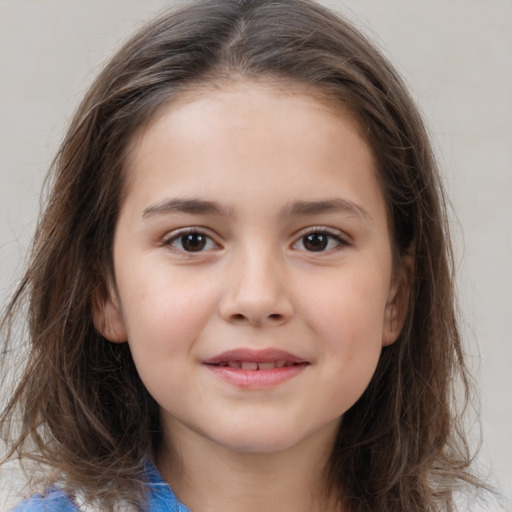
[253, 267]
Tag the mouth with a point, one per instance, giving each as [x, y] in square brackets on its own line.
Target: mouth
[253, 360]
[256, 369]
[255, 365]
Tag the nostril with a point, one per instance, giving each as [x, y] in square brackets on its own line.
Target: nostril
[239, 317]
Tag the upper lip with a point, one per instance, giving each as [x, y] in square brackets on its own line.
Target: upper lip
[255, 355]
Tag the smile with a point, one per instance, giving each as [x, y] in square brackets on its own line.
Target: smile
[253, 366]
[256, 369]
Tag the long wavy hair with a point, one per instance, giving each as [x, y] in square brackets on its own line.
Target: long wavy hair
[79, 407]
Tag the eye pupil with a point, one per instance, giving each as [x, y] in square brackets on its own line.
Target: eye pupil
[193, 242]
[316, 241]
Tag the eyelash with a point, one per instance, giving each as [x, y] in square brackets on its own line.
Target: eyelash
[330, 234]
[177, 236]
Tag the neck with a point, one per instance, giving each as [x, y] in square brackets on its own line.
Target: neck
[213, 478]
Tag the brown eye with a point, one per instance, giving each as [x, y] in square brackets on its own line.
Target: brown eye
[316, 242]
[319, 241]
[193, 241]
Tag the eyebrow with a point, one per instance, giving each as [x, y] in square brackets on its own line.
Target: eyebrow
[296, 208]
[191, 206]
[325, 206]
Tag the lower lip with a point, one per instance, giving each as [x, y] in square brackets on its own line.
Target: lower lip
[257, 379]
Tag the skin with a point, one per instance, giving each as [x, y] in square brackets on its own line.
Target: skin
[256, 151]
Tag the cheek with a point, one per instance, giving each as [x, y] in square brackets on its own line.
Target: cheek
[348, 309]
[165, 312]
[347, 317]
[164, 321]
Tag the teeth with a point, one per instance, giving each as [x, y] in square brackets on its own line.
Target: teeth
[249, 365]
[252, 366]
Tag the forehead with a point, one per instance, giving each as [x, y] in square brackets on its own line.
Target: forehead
[250, 135]
[228, 89]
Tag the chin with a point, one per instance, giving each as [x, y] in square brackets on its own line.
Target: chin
[264, 438]
[258, 446]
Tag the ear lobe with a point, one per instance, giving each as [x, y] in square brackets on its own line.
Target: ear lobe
[392, 325]
[398, 301]
[108, 318]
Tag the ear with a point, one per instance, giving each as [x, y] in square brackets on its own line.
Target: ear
[107, 315]
[398, 301]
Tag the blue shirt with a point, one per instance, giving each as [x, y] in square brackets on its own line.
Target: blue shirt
[161, 498]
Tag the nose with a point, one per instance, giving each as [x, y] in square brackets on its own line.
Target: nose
[257, 291]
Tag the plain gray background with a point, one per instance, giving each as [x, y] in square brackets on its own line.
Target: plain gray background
[456, 56]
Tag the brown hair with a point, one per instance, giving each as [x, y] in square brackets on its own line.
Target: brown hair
[84, 410]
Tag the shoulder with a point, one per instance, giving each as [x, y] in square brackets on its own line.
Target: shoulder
[54, 501]
[160, 498]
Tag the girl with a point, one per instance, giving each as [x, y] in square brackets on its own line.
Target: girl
[240, 292]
